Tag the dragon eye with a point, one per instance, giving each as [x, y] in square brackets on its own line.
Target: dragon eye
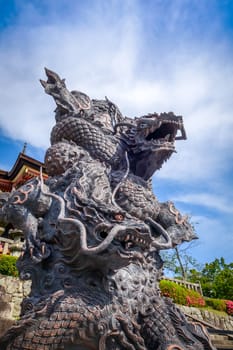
[119, 217]
[103, 234]
[142, 125]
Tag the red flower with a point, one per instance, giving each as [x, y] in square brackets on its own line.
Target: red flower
[229, 306]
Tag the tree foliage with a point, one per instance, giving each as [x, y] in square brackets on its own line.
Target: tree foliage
[216, 279]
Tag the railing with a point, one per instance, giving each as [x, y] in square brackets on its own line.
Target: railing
[4, 245]
[10, 246]
[186, 284]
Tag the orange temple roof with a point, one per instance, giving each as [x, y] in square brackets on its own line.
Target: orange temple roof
[23, 170]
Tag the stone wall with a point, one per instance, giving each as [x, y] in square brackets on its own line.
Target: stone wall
[5, 311]
[223, 322]
[14, 292]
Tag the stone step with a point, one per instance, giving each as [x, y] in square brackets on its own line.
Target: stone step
[221, 341]
[224, 346]
[225, 342]
[218, 337]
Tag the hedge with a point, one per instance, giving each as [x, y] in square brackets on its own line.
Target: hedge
[8, 265]
[221, 305]
[217, 304]
[184, 296]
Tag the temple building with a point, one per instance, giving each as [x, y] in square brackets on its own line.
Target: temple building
[24, 169]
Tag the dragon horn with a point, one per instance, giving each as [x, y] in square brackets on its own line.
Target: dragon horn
[53, 77]
[43, 83]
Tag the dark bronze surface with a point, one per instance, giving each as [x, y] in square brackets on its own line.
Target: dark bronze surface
[93, 233]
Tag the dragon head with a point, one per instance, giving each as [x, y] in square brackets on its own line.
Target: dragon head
[150, 140]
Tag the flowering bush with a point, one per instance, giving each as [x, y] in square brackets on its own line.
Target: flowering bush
[220, 305]
[229, 307]
[194, 299]
[180, 294]
[173, 291]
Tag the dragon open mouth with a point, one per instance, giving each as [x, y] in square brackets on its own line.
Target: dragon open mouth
[130, 240]
[167, 131]
[155, 142]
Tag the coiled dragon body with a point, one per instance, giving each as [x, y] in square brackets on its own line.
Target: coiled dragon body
[93, 255]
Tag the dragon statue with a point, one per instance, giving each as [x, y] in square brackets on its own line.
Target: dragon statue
[93, 232]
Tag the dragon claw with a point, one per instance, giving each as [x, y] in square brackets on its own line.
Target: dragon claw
[31, 251]
[43, 248]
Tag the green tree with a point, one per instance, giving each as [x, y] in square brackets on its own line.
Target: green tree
[216, 279]
[223, 283]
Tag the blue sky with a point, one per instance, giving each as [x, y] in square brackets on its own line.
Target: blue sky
[146, 56]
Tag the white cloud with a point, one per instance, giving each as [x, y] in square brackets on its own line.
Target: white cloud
[92, 57]
[218, 202]
[106, 53]
[110, 49]
[215, 240]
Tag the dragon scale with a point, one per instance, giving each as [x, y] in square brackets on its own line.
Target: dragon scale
[88, 137]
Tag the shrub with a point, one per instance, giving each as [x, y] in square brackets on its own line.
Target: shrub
[173, 291]
[229, 307]
[180, 294]
[194, 299]
[217, 304]
[184, 296]
[8, 265]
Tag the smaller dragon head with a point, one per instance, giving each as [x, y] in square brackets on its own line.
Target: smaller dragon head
[67, 102]
[177, 226]
[102, 113]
